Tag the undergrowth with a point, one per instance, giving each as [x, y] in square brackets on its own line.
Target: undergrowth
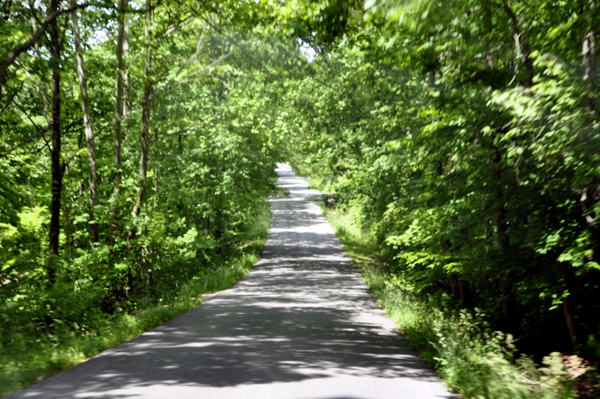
[25, 362]
[473, 360]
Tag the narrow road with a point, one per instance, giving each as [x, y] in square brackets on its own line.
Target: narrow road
[301, 324]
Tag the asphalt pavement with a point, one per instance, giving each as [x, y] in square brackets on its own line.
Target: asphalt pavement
[301, 325]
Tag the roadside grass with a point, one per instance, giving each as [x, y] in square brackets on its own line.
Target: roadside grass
[474, 361]
[26, 365]
[412, 316]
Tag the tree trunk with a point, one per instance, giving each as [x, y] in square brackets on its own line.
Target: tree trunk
[208, 193]
[432, 78]
[67, 225]
[501, 225]
[466, 297]
[218, 223]
[489, 28]
[589, 46]
[89, 129]
[521, 42]
[503, 244]
[118, 109]
[57, 171]
[146, 107]
[589, 55]
[502, 238]
[126, 80]
[207, 217]
[568, 307]
[453, 279]
[156, 167]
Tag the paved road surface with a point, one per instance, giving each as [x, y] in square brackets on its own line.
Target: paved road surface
[300, 325]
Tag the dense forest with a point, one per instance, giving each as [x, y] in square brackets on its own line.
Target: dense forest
[136, 158]
[465, 134]
[139, 138]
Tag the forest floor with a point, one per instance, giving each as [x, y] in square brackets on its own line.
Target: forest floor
[301, 324]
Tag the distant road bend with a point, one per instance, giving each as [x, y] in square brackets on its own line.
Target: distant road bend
[300, 325]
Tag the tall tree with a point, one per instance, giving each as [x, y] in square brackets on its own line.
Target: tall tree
[89, 128]
[589, 41]
[146, 109]
[118, 116]
[126, 77]
[57, 166]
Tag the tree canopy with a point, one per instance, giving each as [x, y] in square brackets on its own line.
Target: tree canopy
[465, 134]
[139, 138]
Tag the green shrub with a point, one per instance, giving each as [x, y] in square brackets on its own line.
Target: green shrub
[33, 348]
[473, 360]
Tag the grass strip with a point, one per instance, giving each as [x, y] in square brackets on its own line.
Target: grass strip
[473, 361]
[413, 318]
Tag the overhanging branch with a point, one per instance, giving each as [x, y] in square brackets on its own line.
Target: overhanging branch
[12, 56]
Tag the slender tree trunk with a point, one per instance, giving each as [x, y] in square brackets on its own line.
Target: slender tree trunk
[67, 225]
[208, 194]
[431, 73]
[432, 78]
[207, 217]
[118, 110]
[489, 60]
[489, 28]
[146, 107]
[89, 129]
[589, 46]
[589, 55]
[503, 244]
[568, 307]
[126, 80]
[502, 238]
[564, 277]
[501, 225]
[521, 42]
[453, 278]
[156, 166]
[57, 172]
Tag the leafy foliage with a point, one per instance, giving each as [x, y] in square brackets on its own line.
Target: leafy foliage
[462, 134]
[178, 226]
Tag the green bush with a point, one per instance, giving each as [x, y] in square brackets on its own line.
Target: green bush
[42, 333]
[473, 360]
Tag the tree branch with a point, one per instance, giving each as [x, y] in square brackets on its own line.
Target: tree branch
[12, 56]
[21, 144]
[40, 131]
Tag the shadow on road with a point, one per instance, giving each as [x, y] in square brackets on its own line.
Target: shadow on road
[302, 314]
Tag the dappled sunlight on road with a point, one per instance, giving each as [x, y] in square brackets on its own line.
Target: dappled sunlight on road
[301, 325]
